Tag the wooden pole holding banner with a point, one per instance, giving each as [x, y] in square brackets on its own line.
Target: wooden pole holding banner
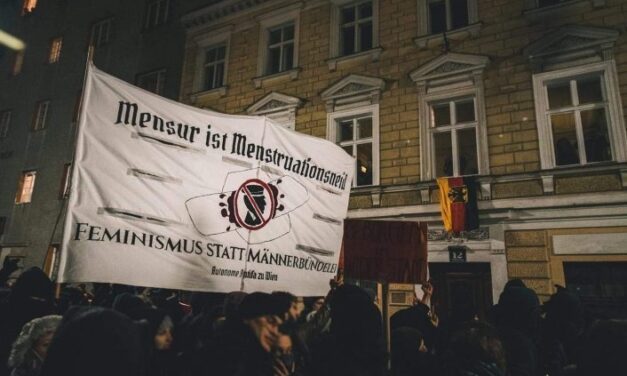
[386, 319]
[88, 62]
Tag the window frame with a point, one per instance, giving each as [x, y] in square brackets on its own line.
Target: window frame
[453, 129]
[64, 191]
[215, 63]
[268, 22]
[424, 23]
[355, 25]
[281, 46]
[51, 261]
[335, 45]
[153, 20]
[39, 122]
[54, 52]
[20, 197]
[209, 40]
[28, 7]
[97, 31]
[333, 120]
[462, 76]
[18, 63]
[160, 83]
[614, 114]
[5, 123]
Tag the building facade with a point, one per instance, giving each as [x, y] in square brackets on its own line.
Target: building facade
[139, 42]
[528, 96]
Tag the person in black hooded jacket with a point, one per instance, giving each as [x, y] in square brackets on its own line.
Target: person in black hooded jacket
[354, 344]
[242, 345]
[158, 339]
[518, 322]
[95, 342]
[31, 297]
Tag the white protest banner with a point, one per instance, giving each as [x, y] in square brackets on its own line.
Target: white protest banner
[172, 196]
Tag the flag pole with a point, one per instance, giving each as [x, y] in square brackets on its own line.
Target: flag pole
[88, 63]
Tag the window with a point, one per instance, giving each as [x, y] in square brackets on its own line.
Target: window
[600, 285]
[18, 62]
[41, 114]
[354, 135]
[354, 32]
[579, 120]
[280, 49]
[25, 188]
[451, 110]
[459, 19]
[28, 6]
[577, 98]
[77, 106]
[51, 262]
[447, 15]
[214, 66]
[55, 50]
[157, 12]
[353, 122]
[152, 81]
[278, 45]
[64, 192]
[357, 132]
[5, 122]
[453, 134]
[100, 33]
[356, 27]
[211, 65]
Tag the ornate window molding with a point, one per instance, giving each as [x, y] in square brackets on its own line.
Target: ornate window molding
[353, 122]
[353, 91]
[571, 46]
[542, 9]
[566, 57]
[447, 78]
[278, 107]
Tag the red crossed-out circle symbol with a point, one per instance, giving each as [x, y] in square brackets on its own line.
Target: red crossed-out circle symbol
[254, 204]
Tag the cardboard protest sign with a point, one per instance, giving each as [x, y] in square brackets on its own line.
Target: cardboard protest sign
[385, 251]
[172, 196]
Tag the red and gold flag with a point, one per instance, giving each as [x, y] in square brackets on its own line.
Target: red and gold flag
[458, 203]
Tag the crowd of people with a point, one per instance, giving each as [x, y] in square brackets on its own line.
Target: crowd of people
[124, 330]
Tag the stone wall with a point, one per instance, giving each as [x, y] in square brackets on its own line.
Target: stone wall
[506, 29]
[530, 256]
[528, 259]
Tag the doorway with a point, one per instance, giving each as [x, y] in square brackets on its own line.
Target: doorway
[461, 288]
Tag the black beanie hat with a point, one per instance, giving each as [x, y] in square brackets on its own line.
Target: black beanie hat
[96, 342]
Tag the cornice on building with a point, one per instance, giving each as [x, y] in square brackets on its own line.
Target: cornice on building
[219, 12]
[571, 43]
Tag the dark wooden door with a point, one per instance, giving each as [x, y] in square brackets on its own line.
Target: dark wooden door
[465, 288]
